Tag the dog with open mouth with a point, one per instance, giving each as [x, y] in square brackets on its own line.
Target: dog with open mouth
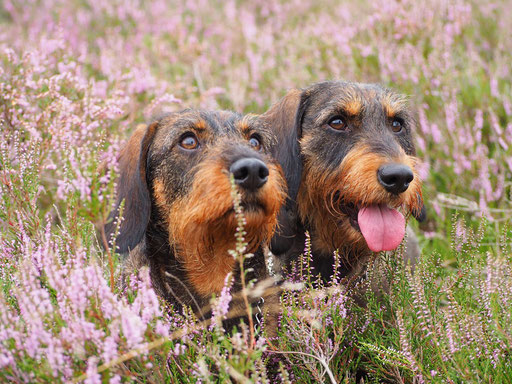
[178, 215]
[348, 156]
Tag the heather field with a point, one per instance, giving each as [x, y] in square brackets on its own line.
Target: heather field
[78, 76]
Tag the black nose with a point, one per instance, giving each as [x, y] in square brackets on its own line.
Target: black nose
[395, 177]
[249, 173]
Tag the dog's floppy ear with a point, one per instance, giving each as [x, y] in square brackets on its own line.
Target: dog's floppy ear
[133, 190]
[284, 119]
[281, 119]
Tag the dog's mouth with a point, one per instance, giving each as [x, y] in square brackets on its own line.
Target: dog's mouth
[382, 227]
[351, 211]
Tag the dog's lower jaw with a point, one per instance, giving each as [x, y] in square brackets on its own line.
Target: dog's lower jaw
[330, 233]
[332, 236]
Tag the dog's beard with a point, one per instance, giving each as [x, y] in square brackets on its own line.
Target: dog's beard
[203, 224]
[348, 208]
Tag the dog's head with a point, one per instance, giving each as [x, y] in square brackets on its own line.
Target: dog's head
[175, 177]
[348, 155]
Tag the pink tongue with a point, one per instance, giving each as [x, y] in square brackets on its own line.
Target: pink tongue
[383, 228]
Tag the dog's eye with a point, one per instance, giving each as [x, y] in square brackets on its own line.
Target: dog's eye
[255, 143]
[396, 125]
[189, 142]
[338, 123]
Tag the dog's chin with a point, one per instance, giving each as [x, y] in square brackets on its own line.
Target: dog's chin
[257, 215]
[249, 208]
[253, 206]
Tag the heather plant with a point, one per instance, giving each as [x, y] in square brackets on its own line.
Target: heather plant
[77, 76]
[452, 57]
[316, 327]
[445, 323]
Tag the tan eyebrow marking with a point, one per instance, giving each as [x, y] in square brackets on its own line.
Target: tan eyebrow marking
[393, 104]
[200, 125]
[244, 125]
[353, 107]
[351, 104]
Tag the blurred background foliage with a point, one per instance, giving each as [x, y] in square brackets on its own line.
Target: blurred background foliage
[77, 77]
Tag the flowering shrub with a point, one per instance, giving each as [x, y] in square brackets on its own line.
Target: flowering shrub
[450, 322]
[77, 76]
[450, 56]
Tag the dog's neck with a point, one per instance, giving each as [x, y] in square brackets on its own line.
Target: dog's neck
[167, 272]
[323, 247]
[171, 270]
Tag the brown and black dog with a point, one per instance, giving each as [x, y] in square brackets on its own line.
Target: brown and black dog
[178, 215]
[348, 156]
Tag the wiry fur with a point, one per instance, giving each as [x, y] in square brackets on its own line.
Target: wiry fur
[322, 193]
[332, 170]
[186, 197]
[202, 225]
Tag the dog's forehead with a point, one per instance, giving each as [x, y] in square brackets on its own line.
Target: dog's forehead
[215, 122]
[355, 99]
[209, 125]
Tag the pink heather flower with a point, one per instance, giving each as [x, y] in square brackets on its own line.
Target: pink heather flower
[99, 88]
[461, 231]
[494, 87]
[221, 304]
[406, 348]
[214, 91]
[479, 123]
[6, 359]
[238, 341]
[110, 345]
[509, 163]
[495, 124]
[436, 133]
[93, 377]
[166, 98]
[261, 343]
[420, 303]
[420, 143]
[146, 302]
[133, 328]
[162, 328]
[179, 349]
[503, 143]
[450, 323]
[423, 169]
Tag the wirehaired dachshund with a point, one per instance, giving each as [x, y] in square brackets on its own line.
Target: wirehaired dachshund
[349, 160]
[178, 214]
